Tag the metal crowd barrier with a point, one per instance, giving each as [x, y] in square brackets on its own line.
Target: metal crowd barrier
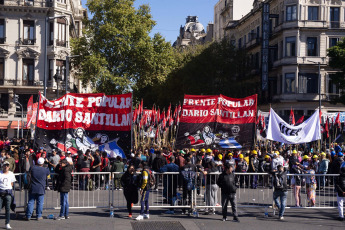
[97, 190]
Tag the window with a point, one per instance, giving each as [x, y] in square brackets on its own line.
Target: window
[28, 71]
[51, 33]
[290, 83]
[312, 46]
[2, 71]
[2, 31]
[333, 42]
[77, 28]
[240, 43]
[308, 83]
[291, 13]
[62, 1]
[29, 32]
[334, 17]
[313, 13]
[61, 32]
[332, 87]
[60, 65]
[290, 46]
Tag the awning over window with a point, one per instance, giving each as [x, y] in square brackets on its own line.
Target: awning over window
[14, 125]
[4, 124]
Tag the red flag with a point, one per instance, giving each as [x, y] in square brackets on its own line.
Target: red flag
[320, 115]
[29, 110]
[168, 112]
[135, 115]
[327, 128]
[292, 118]
[337, 120]
[300, 121]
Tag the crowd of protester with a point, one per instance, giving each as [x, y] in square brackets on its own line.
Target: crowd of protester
[189, 170]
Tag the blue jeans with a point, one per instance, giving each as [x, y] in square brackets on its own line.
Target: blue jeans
[64, 204]
[144, 202]
[7, 200]
[39, 205]
[283, 197]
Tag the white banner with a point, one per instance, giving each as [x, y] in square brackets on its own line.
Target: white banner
[279, 130]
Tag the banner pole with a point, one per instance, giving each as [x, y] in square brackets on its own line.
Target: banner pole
[38, 106]
[132, 147]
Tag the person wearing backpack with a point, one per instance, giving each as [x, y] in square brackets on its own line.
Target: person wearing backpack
[280, 189]
[146, 182]
[118, 167]
[188, 173]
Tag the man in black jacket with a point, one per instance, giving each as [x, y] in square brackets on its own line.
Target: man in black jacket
[64, 171]
[340, 187]
[157, 164]
[280, 190]
[227, 183]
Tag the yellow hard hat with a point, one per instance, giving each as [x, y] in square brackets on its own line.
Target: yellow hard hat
[203, 150]
[277, 152]
[240, 156]
[220, 156]
[305, 157]
[230, 154]
[294, 151]
[323, 154]
[254, 152]
[192, 150]
[267, 157]
[315, 157]
[209, 151]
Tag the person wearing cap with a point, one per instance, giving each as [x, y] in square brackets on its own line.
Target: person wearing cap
[64, 183]
[37, 190]
[254, 168]
[311, 185]
[305, 161]
[323, 169]
[315, 162]
[227, 183]
[242, 167]
[10, 159]
[7, 179]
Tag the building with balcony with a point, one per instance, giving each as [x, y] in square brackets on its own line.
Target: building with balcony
[299, 34]
[29, 29]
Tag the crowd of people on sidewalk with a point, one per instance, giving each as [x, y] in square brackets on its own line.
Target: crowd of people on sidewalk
[189, 170]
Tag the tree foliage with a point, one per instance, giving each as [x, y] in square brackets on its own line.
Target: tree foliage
[116, 52]
[337, 61]
[215, 68]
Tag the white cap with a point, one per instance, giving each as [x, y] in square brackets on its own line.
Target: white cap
[40, 161]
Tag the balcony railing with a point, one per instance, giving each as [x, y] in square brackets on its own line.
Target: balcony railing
[61, 43]
[28, 41]
[20, 83]
[335, 24]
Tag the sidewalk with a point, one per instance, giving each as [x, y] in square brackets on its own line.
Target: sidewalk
[98, 219]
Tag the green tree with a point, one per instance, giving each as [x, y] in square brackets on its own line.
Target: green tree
[116, 53]
[337, 61]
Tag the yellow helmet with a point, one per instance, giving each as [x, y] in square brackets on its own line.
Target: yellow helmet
[240, 156]
[277, 152]
[315, 157]
[305, 157]
[209, 151]
[254, 152]
[192, 150]
[220, 156]
[267, 157]
[230, 154]
[323, 154]
[294, 151]
[202, 150]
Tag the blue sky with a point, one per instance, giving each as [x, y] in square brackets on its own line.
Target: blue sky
[170, 15]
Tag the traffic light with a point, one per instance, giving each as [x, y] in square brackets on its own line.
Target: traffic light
[16, 98]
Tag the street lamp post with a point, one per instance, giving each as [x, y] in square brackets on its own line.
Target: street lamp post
[58, 77]
[45, 51]
[67, 71]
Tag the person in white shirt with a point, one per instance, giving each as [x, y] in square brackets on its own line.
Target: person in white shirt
[7, 179]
